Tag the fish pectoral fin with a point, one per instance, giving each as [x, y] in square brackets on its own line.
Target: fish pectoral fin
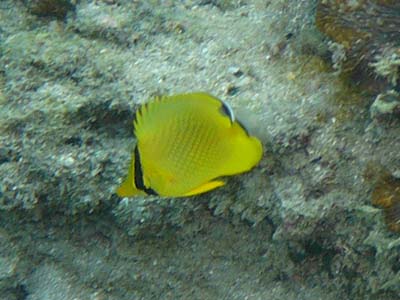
[205, 187]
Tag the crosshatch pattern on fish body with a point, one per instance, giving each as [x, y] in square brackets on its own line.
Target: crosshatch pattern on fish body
[185, 144]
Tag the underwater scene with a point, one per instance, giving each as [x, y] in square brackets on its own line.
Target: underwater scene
[199, 149]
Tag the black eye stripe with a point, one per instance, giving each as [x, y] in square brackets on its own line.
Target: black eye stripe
[227, 110]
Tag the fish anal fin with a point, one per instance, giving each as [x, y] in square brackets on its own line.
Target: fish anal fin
[205, 187]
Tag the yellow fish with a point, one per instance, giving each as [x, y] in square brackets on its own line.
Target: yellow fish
[185, 143]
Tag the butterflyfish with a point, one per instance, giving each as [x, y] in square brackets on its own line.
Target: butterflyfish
[185, 144]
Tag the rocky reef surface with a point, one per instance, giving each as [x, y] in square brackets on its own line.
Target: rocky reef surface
[317, 219]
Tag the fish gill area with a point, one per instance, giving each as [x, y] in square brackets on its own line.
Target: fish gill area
[316, 81]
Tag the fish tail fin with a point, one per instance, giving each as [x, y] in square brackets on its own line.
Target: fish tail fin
[127, 187]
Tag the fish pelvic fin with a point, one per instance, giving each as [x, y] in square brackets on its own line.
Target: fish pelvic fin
[205, 187]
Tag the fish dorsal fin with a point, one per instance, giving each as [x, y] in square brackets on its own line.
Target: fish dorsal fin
[147, 117]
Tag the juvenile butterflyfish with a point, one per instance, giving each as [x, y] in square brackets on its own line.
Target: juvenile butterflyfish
[185, 144]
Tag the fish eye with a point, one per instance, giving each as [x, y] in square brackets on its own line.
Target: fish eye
[227, 110]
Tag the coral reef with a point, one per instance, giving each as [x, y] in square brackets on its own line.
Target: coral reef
[386, 194]
[366, 31]
[50, 8]
[386, 108]
[299, 226]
